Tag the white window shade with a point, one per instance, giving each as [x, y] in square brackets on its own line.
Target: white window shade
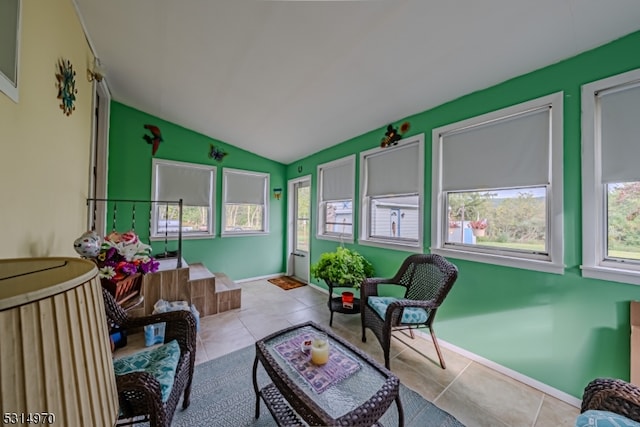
[244, 188]
[338, 181]
[394, 171]
[511, 152]
[191, 183]
[620, 133]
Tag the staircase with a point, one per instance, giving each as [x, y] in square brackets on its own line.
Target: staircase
[211, 293]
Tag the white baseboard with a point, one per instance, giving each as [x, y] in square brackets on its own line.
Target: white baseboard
[547, 389]
[267, 277]
[558, 394]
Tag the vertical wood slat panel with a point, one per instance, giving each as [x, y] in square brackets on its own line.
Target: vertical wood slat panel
[55, 357]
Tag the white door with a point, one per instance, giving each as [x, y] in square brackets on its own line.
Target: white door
[299, 227]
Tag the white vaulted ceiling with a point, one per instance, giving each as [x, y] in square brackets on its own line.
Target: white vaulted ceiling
[285, 79]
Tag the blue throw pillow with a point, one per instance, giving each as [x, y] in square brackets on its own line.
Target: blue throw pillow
[161, 362]
[593, 418]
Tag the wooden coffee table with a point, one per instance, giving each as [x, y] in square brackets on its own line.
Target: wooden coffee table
[360, 398]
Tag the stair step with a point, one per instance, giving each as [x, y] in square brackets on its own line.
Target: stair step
[198, 271]
[224, 283]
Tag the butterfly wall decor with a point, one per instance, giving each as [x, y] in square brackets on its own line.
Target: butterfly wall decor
[216, 153]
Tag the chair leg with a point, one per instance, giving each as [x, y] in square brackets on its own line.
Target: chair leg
[411, 333]
[435, 343]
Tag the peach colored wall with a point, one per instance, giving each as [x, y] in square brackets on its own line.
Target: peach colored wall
[44, 155]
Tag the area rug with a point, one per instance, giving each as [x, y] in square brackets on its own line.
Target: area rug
[222, 396]
[286, 282]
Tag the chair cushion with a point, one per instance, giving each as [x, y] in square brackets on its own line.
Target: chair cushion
[411, 315]
[161, 362]
[593, 418]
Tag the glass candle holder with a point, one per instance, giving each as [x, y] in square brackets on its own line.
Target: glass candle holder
[320, 349]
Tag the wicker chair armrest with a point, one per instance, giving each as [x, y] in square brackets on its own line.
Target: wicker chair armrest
[180, 325]
[140, 386]
[613, 395]
[369, 286]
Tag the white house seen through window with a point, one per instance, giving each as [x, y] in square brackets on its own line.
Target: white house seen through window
[336, 182]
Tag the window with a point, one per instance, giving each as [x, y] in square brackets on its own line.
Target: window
[391, 185]
[9, 47]
[245, 202]
[336, 182]
[195, 185]
[611, 178]
[497, 187]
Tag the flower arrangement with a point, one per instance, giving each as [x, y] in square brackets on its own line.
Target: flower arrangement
[454, 224]
[123, 254]
[480, 224]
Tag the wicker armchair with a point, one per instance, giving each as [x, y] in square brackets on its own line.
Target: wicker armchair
[139, 392]
[612, 395]
[427, 279]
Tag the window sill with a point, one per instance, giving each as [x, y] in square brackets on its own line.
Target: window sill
[345, 238]
[507, 261]
[245, 234]
[612, 274]
[160, 238]
[416, 248]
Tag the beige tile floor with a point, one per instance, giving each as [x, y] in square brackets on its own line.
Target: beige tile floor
[478, 396]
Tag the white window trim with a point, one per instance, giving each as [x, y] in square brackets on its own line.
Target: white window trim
[320, 234]
[6, 85]
[555, 234]
[155, 236]
[265, 218]
[364, 238]
[594, 264]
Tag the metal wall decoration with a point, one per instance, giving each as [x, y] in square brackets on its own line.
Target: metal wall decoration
[392, 135]
[216, 153]
[155, 139]
[66, 86]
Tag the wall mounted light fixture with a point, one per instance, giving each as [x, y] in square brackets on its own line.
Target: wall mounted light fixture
[277, 192]
[96, 72]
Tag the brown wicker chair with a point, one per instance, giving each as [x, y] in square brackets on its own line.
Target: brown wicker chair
[427, 279]
[139, 393]
[613, 395]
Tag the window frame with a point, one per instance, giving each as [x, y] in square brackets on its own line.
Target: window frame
[365, 237]
[7, 86]
[320, 231]
[551, 263]
[186, 235]
[265, 207]
[594, 205]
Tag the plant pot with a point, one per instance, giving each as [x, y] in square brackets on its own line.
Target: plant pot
[479, 232]
[347, 297]
[347, 300]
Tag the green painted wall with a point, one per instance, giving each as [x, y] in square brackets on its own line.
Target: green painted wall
[130, 178]
[562, 330]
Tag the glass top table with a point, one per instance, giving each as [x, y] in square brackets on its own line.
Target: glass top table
[351, 390]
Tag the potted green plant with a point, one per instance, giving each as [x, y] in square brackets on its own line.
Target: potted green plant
[343, 267]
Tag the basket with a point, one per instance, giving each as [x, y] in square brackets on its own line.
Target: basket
[125, 289]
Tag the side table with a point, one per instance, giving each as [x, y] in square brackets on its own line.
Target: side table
[335, 303]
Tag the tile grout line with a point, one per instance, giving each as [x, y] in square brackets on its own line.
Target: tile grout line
[463, 370]
[535, 418]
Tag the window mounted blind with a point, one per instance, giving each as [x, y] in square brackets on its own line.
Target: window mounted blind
[620, 133]
[394, 170]
[509, 152]
[338, 181]
[244, 187]
[191, 183]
